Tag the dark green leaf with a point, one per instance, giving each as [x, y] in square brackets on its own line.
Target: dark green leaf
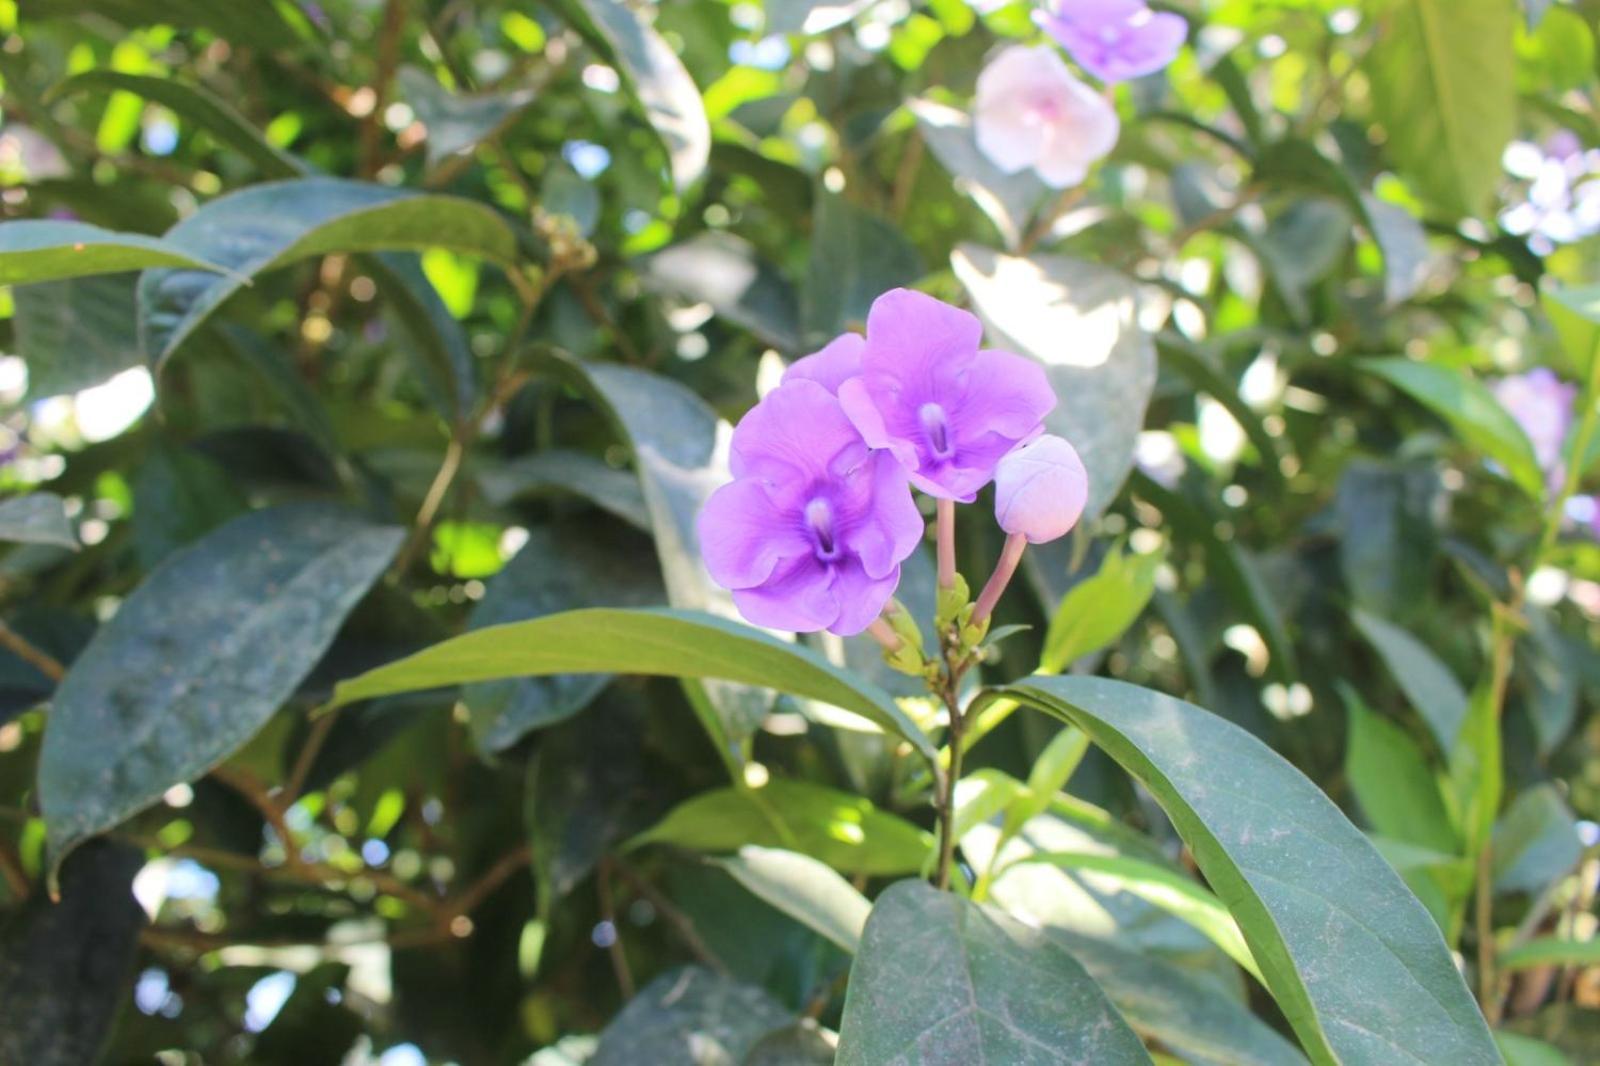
[211, 113]
[259, 24]
[726, 272]
[668, 643]
[268, 226]
[1472, 410]
[800, 1045]
[1444, 87]
[1552, 951]
[1535, 842]
[689, 1017]
[432, 338]
[1429, 686]
[603, 485]
[1354, 961]
[33, 251]
[856, 256]
[1079, 320]
[942, 980]
[197, 660]
[1404, 243]
[179, 495]
[457, 123]
[38, 518]
[76, 334]
[1387, 515]
[844, 831]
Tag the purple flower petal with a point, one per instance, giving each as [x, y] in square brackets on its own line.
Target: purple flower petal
[1115, 40]
[831, 367]
[798, 433]
[890, 527]
[861, 597]
[799, 597]
[743, 538]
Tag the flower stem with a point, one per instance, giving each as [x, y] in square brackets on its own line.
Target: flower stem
[945, 533]
[881, 632]
[1004, 570]
[947, 790]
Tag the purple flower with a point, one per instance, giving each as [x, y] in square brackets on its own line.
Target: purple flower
[1040, 490]
[1031, 112]
[944, 408]
[836, 363]
[812, 530]
[1115, 40]
[1542, 405]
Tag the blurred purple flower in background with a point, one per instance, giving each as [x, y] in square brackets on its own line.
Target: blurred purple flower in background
[1542, 405]
[1563, 198]
[1040, 490]
[1115, 40]
[1031, 112]
[812, 530]
[944, 408]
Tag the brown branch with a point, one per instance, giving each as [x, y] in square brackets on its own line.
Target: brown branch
[681, 923]
[255, 792]
[321, 726]
[394, 20]
[474, 894]
[11, 873]
[18, 645]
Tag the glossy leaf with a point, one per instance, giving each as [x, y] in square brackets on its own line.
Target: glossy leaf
[806, 889]
[34, 251]
[37, 518]
[668, 643]
[76, 334]
[689, 1017]
[726, 272]
[1354, 961]
[268, 226]
[1443, 85]
[1429, 686]
[1397, 790]
[844, 831]
[608, 488]
[458, 123]
[939, 979]
[199, 106]
[1471, 410]
[1098, 610]
[1079, 320]
[197, 659]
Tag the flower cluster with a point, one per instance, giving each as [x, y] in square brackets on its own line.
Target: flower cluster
[1563, 194]
[1542, 404]
[811, 532]
[1031, 112]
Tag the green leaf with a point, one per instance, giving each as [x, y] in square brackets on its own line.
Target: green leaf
[1176, 1008]
[1079, 320]
[33, 251]
[429, 334]
[603, 485]
[455, 123]
[1472, 411]
[197, 659]
[1477, 772]
[1397, 789]
[37, 518]
[654, 76]
[76, 334]
[856, 256]
[689, 1017]
[942, 980]
[807, 890]
[1009, 200]
[1407, 260]
[1535, 842]
[1551, 951]
[667, 643]
[264, 227]
[1526, 1051]
[846, 832]
[802, 1044]
[1097, 611]
[559, 568]
[199, 106]
[1354, 961]
[1429, 686]
[1178, 896]
[811, 17]
[1574, 311]
[1443, 76]
[726, 272]
[1388, 535]
[65, 965]
[257, 24]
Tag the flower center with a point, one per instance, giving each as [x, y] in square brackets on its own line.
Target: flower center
[936, 428]
[1110, 35]
[819, 516]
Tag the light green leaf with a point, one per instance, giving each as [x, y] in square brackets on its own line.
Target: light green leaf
[197, 659]
[457, 123]
[258, 24]
[1526, 1051]
[1552, 951]
[667, 643]
[1357, 965]
[33, 251]
[846, 832]
[1574, 311]
[428, 333]
[655, 77]
[807, 890]
[942, 980]
[264, 227]
[1472, 411]
[1397, 789]
[1443, 78]
[856, 256]
[37, 518]
[216, 116]
[1176, 895]
[1079, 320]
[77, 333]
[1429, 686]
[1098, 610]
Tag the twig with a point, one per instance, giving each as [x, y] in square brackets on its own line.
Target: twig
[608, 912]
[248, 786]
[681, 923]
[19, 646]
[11, 873]
[453, 454]
[481, 889]
[321, 726]
[394, 20]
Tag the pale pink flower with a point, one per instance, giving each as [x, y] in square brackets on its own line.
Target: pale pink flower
[1031, 112]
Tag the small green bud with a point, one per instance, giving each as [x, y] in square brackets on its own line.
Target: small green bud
[952, 602]
[905, 627]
